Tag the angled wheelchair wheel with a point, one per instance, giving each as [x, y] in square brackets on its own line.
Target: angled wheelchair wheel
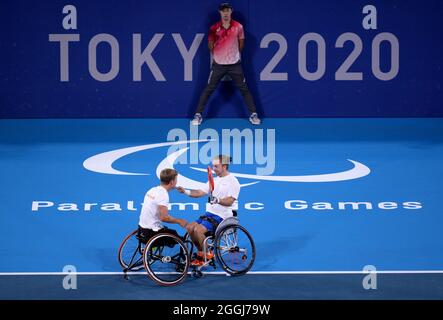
[130, 253]
[235, 249]
[166, 259]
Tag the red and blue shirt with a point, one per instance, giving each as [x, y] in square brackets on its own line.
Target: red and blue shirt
[226, 49]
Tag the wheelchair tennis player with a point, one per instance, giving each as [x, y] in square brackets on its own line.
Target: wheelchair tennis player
[222, 201]
[154, 211]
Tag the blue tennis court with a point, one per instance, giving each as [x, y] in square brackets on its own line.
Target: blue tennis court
[344, 194]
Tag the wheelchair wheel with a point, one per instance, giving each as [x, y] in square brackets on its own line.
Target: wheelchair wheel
[166, 259]
[235, 249]
[130, 253]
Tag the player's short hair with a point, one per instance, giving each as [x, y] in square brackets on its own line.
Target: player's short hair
[168, 175]
[224, 160]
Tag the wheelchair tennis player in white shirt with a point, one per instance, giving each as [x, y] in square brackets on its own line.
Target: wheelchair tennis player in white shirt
[223, 201]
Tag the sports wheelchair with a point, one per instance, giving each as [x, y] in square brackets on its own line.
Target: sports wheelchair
[167, 258]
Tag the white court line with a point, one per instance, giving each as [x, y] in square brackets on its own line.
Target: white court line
[224, 273]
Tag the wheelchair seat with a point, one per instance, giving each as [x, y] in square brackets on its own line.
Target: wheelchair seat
[141, 237]
[209, 234]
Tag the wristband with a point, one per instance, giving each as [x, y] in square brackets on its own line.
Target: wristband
[187, 192]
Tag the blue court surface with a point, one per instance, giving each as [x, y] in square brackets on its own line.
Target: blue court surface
[344, 195]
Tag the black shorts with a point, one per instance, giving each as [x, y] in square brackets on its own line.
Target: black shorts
[145, 234]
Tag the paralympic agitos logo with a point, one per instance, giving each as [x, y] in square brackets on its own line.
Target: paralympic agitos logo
[102, 163]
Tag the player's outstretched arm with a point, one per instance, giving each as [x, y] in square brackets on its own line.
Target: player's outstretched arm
[192, 193]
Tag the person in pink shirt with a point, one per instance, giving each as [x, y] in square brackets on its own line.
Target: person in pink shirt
[226, 40]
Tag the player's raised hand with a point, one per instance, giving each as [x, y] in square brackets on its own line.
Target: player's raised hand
[214, 200]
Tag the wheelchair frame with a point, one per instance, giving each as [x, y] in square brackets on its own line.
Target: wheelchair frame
[140, 259]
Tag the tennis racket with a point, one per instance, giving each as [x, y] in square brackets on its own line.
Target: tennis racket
[211, 183]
